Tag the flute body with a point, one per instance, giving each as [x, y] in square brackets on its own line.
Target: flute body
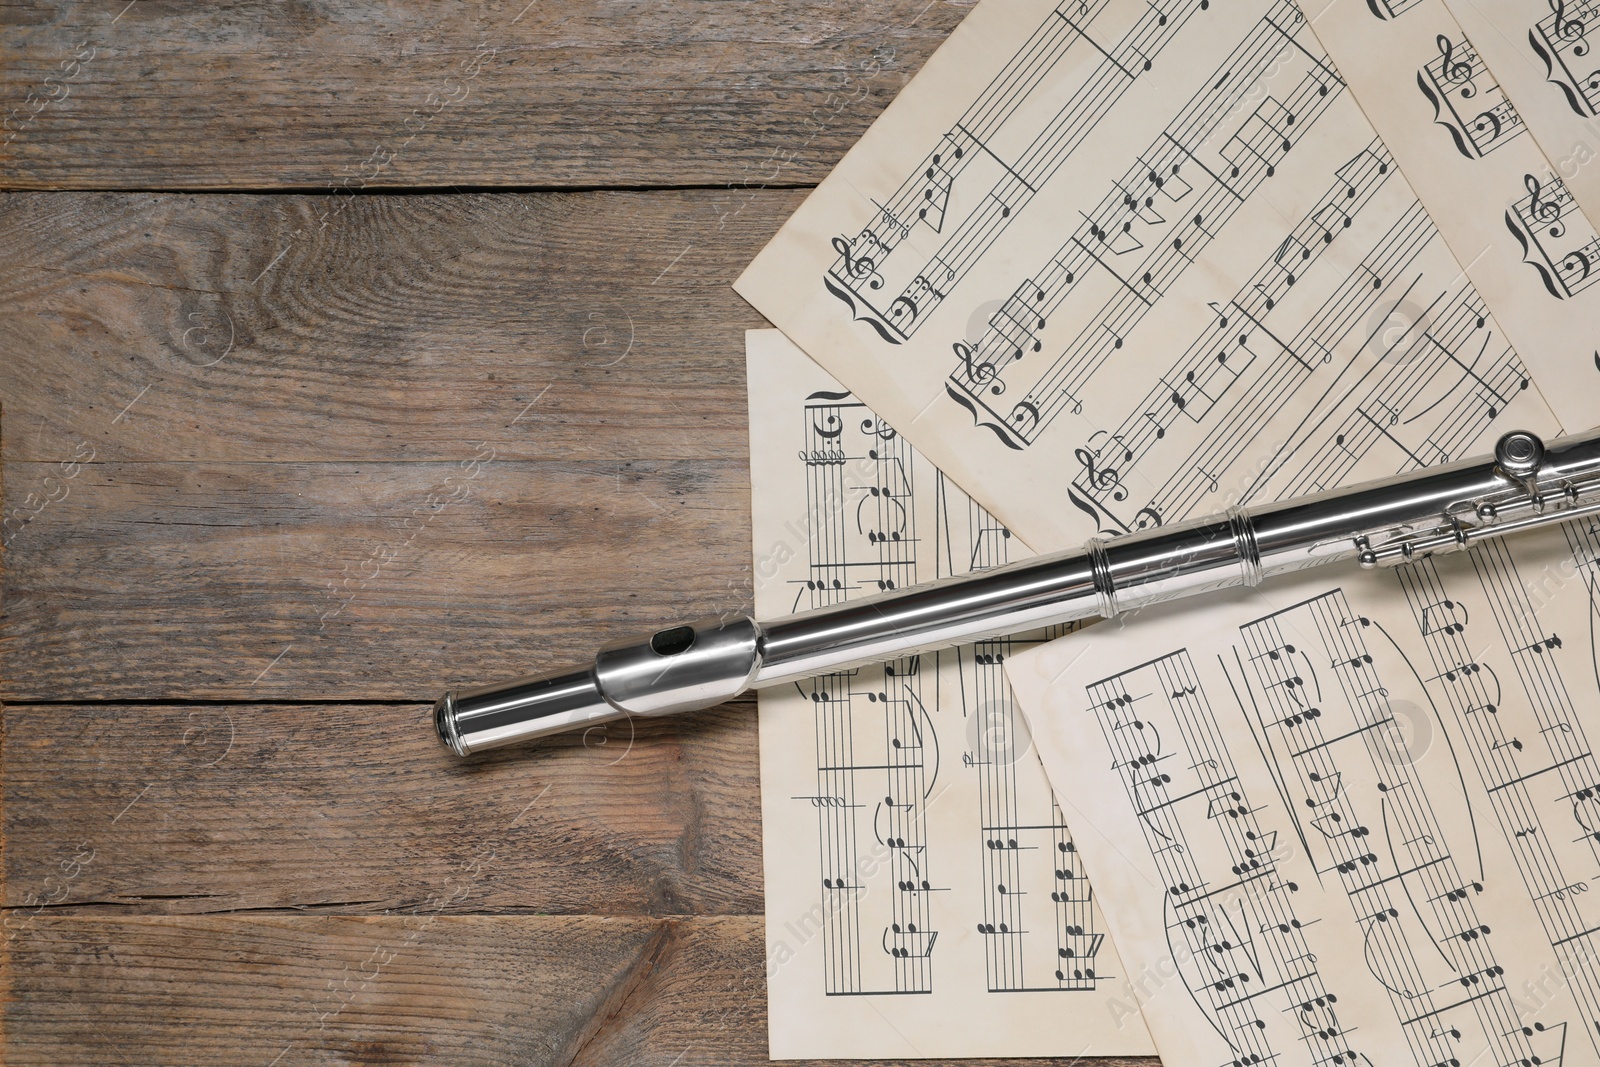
[682, 668]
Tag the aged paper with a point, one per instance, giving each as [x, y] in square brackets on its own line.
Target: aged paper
[1539, 53]
[923, 895]
[1464, 147]
[1113, 264]
[1349, 818]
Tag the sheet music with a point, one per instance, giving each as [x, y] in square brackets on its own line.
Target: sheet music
[1114, 263]
[1458, 138]
[1353, 817]
[923, 895]
[1539, 54]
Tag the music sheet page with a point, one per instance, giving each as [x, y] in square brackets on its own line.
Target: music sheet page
[1352, 817]
[924, 898]
[1114, 263]
[1539, 53]
[1465, 148]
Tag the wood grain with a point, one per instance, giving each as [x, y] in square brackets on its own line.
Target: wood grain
[101, 94]
[553, 326]
[355, 581]
[577, 991]
[466, 332]
[278, 468]
[290, 990]
[359, 809]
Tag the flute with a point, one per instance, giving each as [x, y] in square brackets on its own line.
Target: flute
[1527, 483]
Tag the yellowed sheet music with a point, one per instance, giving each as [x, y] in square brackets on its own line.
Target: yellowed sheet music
[1352, 818]
[1114, 263]
[1539, 53]
[1516, 226]
[923, 895]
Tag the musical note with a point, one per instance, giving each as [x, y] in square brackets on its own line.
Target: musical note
[936, 196]
[1290, 252]
[1330, 219]
[1266, 386]
[1444, 617]
[1544, 644]
[1373, 834]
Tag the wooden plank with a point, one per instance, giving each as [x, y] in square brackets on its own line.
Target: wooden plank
[576, 991]
[360, 809]
[355, 581]
[289, 990]
[410, 327]
[239, 581]
[102, 94]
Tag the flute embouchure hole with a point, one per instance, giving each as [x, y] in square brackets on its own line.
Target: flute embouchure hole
[673, 641]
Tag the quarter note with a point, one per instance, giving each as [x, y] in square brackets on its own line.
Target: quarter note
[1444, 617]
[1329, 219]
[1289, 250]
[936, 196]
[1544, 644]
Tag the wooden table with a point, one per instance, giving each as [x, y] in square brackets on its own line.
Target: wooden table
[349, 352]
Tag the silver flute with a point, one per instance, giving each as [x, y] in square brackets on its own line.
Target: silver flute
[1526, 483]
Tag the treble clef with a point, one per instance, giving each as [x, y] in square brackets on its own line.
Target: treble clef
[1569, 29]
[1102, 479]
[980, 373]
[858, 266]
[1455, 71]
[1547, 212]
